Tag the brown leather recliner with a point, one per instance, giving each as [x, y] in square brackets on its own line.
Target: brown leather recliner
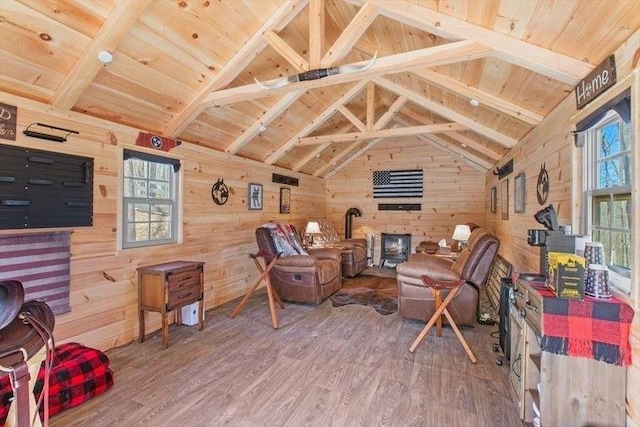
[354, 250]
[416, 301]
[311, 277]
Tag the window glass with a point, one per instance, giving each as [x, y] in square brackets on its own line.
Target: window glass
[149, 202]
[607, 185]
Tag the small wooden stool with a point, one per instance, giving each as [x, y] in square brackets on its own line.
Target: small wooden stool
[264, 275]
[441, 308]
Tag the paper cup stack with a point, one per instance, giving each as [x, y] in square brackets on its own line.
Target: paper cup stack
[596, 282]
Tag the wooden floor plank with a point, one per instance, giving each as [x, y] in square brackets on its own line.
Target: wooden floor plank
[324, 366]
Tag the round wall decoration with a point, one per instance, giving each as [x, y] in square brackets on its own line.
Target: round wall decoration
[542, 188]
[220, 192]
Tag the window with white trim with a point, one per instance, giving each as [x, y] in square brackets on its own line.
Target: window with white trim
[607, 192]
[149, 200]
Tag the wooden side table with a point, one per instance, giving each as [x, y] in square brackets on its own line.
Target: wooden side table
[167, 287]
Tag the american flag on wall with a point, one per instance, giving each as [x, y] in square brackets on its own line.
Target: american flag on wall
[402, 183]
[42, 263]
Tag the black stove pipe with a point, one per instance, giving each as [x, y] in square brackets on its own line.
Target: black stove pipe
[348, 217]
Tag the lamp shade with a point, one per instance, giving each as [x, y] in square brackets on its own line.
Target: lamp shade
[461, 233]
[313, 227]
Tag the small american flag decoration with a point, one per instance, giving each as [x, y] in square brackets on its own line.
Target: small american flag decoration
[401, 183]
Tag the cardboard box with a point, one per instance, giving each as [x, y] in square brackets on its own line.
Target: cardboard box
[565, 277]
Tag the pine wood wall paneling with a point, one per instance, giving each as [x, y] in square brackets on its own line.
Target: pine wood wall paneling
[453, 193]
[103, 278]
[552, 143]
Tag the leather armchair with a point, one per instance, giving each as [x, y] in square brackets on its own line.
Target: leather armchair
[353, 251]
[415, 301]
[300, 276]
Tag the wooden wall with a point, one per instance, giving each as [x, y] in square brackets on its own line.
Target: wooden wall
[552, 144]
[103, 312]
[453, 193]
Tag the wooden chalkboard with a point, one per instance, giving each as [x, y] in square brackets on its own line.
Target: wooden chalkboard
[41, 189]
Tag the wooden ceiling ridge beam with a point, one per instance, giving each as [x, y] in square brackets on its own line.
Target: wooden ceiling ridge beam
[382, 133]
[317, 121]
[268, 117]
[351, 34]
[286, 51]
[432, 56]
[535, 58]
[440, 110]
[277, 21]
[296, 167]
[115, 28]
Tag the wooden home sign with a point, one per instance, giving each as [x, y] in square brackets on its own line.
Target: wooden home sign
[598, 80]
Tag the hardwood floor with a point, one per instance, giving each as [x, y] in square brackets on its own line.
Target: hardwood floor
[325, 366]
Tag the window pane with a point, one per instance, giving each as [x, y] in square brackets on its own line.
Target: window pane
[601, 216]
[141, 212]
[626, 136]
[159, 190]
[160, 172]
[609, 140]
[139, 188]
[142, 231]
[626, 170]
[160, 230]
[619, 249]
[128, 187]
[137, 168]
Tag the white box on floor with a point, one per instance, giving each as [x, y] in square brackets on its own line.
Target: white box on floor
[190, 314]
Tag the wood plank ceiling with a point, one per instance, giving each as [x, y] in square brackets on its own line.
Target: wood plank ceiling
[186, 68]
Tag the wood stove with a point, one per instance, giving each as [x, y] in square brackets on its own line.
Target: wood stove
[395, 248]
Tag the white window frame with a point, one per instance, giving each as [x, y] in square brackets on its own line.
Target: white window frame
[620, 279]
[172, 203]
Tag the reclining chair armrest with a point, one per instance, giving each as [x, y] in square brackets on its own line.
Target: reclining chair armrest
[416, 271]
[297, 261]
[326, 253]
[441, 284]
[428, 260]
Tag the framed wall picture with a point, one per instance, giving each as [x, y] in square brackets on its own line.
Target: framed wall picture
[519, 194]
[254, 196]
[504, 199]
[285, 200]
[494, 199]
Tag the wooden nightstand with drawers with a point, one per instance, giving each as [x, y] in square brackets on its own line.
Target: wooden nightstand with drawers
[167, 287]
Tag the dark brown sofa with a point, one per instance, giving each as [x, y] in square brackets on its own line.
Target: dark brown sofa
[415, 300]
[312, 277]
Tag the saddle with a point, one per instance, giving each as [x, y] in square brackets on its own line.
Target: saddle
[25, 327]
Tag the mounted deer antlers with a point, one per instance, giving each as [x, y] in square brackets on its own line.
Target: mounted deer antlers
[318, 74]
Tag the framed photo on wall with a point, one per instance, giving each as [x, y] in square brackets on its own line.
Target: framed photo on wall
[519, 194]
[494, 199]
[285, 200]
[504, 199]
[254, 196]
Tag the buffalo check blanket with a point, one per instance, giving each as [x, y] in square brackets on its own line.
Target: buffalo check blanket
[79, 373]
[591, 328]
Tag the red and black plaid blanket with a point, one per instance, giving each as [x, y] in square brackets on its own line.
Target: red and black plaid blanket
[78, 374]
[597, 329]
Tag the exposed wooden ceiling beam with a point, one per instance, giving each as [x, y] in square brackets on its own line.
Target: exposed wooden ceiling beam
[352, 118]
[276, 22]
[319, 149]
[470, 159]
[500, 138]
[316, 33]
[428, 57]
[371, 105]
[317, 121]
[391, 112]
[117, 25]
[286, 51]
[343, 45]
[266, 118]
[354, 156]
[382, 133]
[546, 62]
[475, 145]
[342, 154]
[462, 89]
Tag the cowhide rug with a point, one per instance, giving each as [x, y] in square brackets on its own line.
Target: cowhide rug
[381, 293]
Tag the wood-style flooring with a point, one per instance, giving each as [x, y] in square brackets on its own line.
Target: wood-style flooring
[325, 366]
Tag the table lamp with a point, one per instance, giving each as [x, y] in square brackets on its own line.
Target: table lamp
[312, 228]
[461, 234]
